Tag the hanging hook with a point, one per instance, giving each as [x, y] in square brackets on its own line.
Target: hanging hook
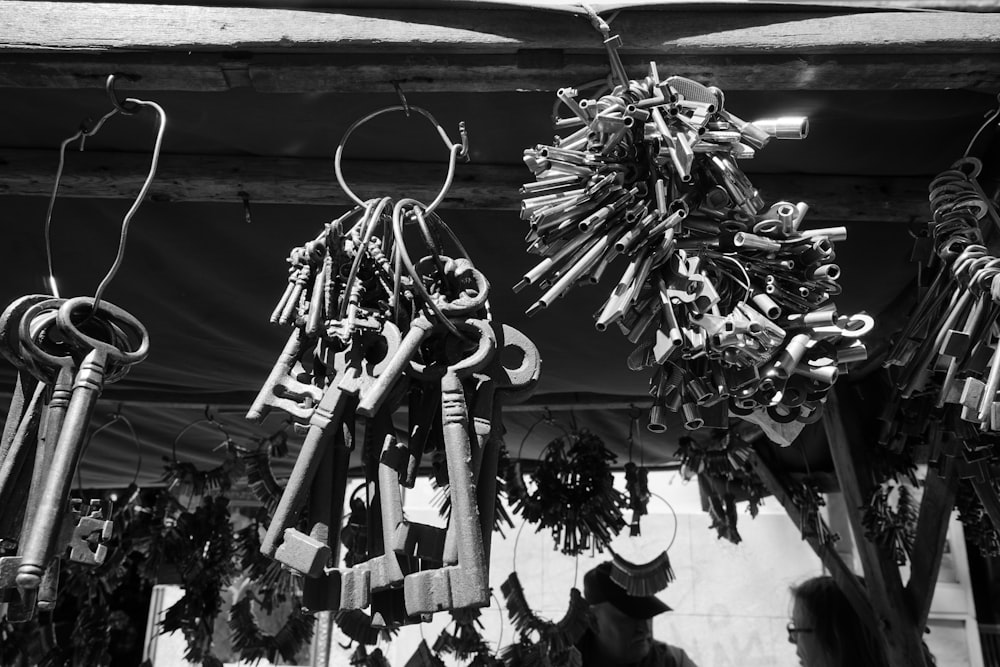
[990, 117]
[128, 106]
[454, 151]
[245, 197]
[611, 43]
[402, 98]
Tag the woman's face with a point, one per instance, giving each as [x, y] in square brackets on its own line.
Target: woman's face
[803, 632]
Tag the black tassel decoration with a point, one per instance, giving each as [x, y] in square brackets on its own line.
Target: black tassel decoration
[645, 579]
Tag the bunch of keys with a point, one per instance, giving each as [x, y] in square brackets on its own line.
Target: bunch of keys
[727, 298]
[65, 352]
[948, 347]
[371, 329]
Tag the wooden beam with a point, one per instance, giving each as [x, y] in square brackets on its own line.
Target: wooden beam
[896, 618]
[932, 530]
[167, 47]
[777, 483]
[270, 180]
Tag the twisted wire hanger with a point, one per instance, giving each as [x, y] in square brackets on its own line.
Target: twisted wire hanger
[128, 107]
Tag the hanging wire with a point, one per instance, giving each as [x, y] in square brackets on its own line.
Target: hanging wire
[455, 151]
[990, 117]
[500, 615]
[128, 107]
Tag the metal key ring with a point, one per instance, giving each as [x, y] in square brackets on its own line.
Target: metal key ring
[486, 346]
[454, 150]
[43, 316]
[10, 322]
[113, 312]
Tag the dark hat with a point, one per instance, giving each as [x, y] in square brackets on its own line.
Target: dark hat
[598, 587]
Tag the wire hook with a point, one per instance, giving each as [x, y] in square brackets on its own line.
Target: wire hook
[990, 117]
[455, 150]
[402, 98]
[129, 107]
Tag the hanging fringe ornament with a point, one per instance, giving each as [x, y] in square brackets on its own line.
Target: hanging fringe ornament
[260, 479]
[254, 645]
[361, 658]
[357, 626]
[559, 637]
[467, 640]
[424, 657]
[637, 485]
[808, 498]
[893, 527]
[442, 495]
[643, 579]
[574, 494]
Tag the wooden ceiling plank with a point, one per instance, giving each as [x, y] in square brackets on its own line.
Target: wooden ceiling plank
[84, 26]
[276, 180]
[351, 74]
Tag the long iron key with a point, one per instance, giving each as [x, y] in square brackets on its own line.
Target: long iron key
[355, 372]
[87, 387]
[467, 583]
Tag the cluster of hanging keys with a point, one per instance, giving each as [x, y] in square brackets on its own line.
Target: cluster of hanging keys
[371, 331]
[65, 351]
[728, 299]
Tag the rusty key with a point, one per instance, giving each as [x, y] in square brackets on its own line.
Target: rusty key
[355, 372]
[87, 387]
[465, 584]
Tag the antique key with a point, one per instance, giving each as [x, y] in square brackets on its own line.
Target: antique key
[466, 583]
[101, 358]
[355, 372]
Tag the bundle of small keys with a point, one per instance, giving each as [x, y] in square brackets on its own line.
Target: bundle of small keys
[371, 331]
[65, 351]
[727, 298]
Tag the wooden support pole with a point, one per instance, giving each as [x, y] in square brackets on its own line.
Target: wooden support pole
[932, 530]
[764, 465]
[895, 617]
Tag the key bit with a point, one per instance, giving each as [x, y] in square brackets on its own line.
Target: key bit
[81, 547]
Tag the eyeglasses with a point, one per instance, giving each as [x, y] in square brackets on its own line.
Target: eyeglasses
[793, 632]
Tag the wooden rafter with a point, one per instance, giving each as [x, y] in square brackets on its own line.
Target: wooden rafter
[167, 47]
[896, 617]
[268, 180]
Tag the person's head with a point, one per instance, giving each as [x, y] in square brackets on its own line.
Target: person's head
[828, 632]
[623, 630]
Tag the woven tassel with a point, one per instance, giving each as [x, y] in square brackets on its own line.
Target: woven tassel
[645, 579]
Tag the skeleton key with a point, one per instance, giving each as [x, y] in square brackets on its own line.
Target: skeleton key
[281, 390]
[470, 299]
[497, 384]
[87, 386]
[500, 384]
[467, 583]
[382, 571]
[354, 373]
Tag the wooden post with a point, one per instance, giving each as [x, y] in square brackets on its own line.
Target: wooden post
[932, 530]
[895, 616]
[764, 465]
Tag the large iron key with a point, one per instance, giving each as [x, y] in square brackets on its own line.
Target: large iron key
[354, 373]
[87, 387]
[282, 391]
[465, 584]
